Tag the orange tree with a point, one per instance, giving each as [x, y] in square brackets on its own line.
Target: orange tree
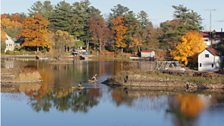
[11, 24]
[3, 36]
[119, 29]
[35, 33]
[10, 21]
[190, 45]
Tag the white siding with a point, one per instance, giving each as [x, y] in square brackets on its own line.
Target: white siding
[10, 44]
[148, 54]
[217, 62]
[211, 63]
[207, 41]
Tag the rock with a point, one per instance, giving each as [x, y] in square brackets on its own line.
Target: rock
[111, 82]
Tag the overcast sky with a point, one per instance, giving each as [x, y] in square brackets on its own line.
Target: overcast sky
[158, 10]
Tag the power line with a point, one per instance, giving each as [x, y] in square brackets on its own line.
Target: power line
[210, 19]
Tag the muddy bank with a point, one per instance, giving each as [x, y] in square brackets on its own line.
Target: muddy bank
[166, 82]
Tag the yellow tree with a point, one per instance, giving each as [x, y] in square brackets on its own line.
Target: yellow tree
[11, 24]
[35, 32]
[120, 30]
[190, 44]
[7, 23]
[63, 39]
[136, 42]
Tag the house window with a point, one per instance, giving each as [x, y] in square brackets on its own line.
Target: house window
[212, 65]
[206, 55]
[200, 64]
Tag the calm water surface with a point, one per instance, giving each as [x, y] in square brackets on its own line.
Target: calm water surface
[54, 103]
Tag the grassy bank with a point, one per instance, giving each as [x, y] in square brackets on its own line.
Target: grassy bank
[158, 79]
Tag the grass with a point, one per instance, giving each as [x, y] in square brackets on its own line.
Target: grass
[207, 80]
[23, 52]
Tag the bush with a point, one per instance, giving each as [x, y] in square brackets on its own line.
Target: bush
[79, 44]
[3, 46]
[21, 52]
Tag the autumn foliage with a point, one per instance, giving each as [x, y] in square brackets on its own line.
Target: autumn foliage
[3, 36]
[190, 45]
[35, 32]
[11, 21]
[99, 30]
[63, 38]
[136, 42]
[120, 30]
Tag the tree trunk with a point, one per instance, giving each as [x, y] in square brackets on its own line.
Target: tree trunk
[37, 48]
[100, 46]
[122, 50]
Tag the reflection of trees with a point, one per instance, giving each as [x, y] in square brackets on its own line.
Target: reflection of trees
[139, 99]
[63, 100]
[185, 109]
[84, 100]
[58, 79]
[42, 104]
[120, 96]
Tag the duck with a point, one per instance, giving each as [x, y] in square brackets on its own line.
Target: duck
[78, 87]
[93, 79]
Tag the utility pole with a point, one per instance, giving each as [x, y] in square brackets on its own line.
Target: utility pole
[210, 18]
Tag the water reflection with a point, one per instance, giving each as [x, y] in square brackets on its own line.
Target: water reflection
[55, 93]
[185, 109]
[120, 96]
[63, 100]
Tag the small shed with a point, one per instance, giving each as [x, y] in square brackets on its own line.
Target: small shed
[209, 60]
[148, 54]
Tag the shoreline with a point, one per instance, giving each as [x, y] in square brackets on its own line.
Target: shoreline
[63, 58]
[163, 81]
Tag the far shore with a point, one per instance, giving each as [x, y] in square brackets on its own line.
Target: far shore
[63, 58]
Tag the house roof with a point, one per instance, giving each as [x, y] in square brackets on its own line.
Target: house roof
[213, 51]
[146, 50]
[204, 34]
[219, 35]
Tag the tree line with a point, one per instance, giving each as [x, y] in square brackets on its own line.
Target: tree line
[48, 27]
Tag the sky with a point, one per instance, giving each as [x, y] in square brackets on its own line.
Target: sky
[158, 10]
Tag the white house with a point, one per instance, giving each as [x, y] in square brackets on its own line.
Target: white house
[218, 37]
[207, 41]
[209, 60]
[147, 53]
[10, 44]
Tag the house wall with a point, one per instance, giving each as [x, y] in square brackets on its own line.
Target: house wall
[148, 54]
[207, 41]
[217, 62]
[10, 44]
[211, 63]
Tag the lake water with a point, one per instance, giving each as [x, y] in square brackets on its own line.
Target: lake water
[54, 103]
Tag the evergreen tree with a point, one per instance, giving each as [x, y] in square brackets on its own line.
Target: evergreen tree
[62, 17]
[84, 11]
[184, 20]
[45, 9]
